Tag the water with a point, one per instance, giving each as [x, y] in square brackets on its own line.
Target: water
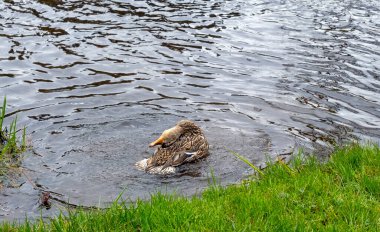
[96, 81]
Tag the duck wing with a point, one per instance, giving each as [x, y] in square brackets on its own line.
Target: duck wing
[178, 158]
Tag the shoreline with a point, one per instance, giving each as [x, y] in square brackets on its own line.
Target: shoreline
[341, 194]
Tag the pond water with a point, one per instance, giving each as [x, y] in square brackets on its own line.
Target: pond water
[96, 81]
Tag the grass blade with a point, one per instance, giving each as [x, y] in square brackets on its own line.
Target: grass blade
[23, 142]
[245, 160]
[2, 115]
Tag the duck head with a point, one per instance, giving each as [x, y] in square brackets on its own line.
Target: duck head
[169, 136]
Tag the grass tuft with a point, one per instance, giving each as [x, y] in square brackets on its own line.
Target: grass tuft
[10, 148]
[306, 195]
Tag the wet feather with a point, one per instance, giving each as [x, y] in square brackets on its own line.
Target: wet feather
[178, 145]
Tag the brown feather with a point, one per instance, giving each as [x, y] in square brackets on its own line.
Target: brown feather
[186, 137]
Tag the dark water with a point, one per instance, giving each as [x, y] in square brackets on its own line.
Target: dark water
[96, 81]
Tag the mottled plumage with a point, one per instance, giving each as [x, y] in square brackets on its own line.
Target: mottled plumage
[180, 144]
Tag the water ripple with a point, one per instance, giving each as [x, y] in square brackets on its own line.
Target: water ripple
[96, 81]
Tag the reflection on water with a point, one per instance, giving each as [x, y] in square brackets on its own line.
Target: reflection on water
[95, 81]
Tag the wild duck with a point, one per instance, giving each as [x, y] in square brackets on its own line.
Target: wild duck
[183, 143]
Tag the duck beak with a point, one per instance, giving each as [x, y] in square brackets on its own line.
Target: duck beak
[160, 140]
[167, 133]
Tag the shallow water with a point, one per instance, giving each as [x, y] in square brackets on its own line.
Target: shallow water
[96, 81]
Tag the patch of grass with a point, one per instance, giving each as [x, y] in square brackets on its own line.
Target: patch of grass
[340, 195]
[10, 148]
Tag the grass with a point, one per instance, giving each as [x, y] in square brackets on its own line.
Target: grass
[340, 195]
[10, 148]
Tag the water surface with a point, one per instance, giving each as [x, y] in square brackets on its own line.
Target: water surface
[96, 81]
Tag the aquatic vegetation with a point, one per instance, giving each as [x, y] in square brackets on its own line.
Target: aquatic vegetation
[10, 147]
[306, 195]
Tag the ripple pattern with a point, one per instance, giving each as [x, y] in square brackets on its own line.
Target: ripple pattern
[96, 81]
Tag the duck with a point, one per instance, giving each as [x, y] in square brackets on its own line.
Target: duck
[183, 143]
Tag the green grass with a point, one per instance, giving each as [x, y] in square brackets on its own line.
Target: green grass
[340, 195]
[10, 148]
